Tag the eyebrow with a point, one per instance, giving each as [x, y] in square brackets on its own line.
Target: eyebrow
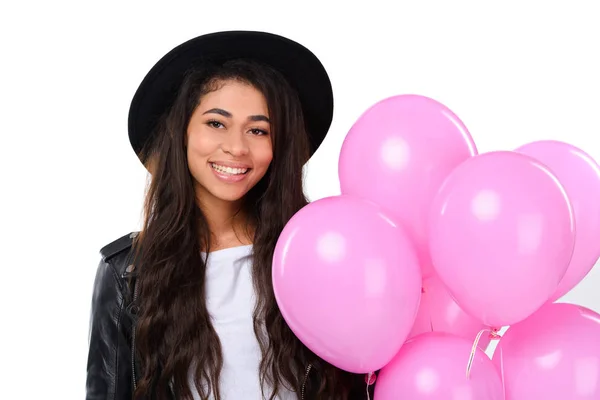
[227, 114]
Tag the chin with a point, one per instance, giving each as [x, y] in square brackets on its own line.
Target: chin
[228, 195]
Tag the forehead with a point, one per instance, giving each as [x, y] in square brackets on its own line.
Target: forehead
[236, 97]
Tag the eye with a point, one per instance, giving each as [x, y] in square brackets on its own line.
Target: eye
[215, 124]
[258, 132]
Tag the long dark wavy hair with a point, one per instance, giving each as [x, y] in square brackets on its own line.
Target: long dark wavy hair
[174, 333]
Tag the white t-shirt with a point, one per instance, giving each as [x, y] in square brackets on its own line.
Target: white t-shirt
[230, 301]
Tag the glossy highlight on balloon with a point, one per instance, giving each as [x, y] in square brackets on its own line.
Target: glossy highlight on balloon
[347, 281]
[579, 174]
[398, 153]
[552, 355]
[432, 367]
[501, 236]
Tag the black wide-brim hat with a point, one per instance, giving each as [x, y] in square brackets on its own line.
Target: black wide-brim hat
[296, 63]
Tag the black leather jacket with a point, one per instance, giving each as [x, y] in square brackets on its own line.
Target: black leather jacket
[112, 368]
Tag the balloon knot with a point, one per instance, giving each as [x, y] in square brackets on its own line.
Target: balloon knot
[494, 335]
[370, 378]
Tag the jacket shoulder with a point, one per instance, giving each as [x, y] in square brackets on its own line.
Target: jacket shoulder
[117, 246]
[118, 253]
[109, 371]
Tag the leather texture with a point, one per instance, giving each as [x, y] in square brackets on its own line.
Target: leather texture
[109, 365]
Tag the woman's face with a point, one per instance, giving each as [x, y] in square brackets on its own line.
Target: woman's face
[229, 147]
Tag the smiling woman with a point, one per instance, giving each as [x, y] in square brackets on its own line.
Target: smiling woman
[185, 308]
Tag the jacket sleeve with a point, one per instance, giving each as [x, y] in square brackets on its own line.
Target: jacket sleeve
[109, 368]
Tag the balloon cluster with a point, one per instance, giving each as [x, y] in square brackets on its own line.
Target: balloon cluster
[431, 244]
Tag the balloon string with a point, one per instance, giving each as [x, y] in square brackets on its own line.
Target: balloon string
[370, 381]
[493, 335]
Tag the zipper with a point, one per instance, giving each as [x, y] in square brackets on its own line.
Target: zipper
[308, 368]
[135, 295]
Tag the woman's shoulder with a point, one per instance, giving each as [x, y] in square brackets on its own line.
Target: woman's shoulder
[118, 254]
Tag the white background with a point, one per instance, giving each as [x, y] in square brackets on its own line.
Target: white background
[513, 71]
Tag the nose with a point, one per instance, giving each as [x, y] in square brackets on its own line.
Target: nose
[235, 144]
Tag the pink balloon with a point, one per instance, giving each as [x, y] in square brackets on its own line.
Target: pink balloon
[347, 281]
[552, 355]
[438, 312]
[433, 366]
[580, 176]
[398, 153]
[501, 236]
[422, 322]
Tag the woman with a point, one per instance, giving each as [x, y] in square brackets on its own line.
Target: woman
[185, 309]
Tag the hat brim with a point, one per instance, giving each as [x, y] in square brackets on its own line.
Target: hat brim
[296, 63]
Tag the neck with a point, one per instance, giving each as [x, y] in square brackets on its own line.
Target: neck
[227, 222]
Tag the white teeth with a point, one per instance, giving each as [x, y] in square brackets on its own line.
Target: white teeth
[229, 170]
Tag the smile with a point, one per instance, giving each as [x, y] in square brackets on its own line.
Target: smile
[229, 170]
[229, 174]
